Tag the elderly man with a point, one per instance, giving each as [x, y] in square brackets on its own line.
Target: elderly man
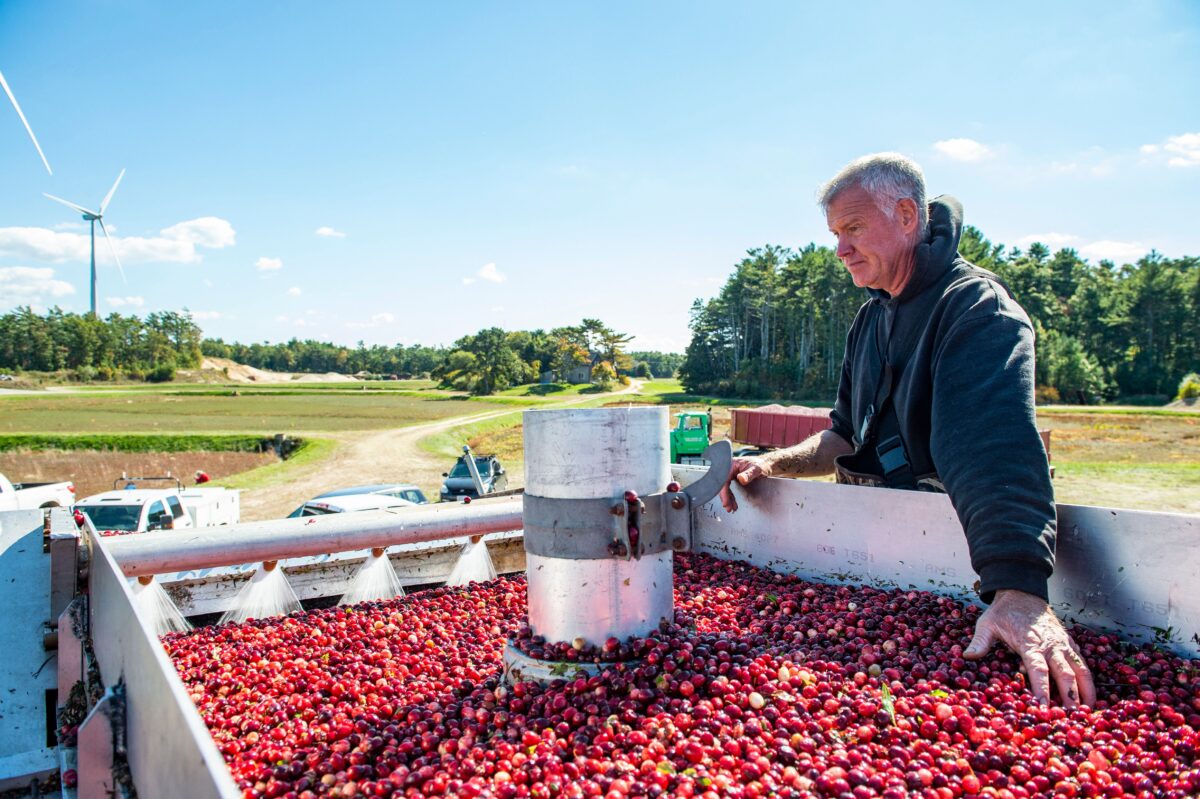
[936, 394]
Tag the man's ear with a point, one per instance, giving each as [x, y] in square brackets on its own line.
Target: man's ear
[907, 215]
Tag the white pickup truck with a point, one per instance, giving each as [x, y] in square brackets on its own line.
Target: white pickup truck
[136, 510]
[22, 496]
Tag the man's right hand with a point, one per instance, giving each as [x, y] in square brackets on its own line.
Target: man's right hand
[745, 471]
[1029, 627]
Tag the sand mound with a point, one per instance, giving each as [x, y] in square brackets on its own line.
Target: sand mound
[240, 373]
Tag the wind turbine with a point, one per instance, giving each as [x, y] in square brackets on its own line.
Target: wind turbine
[21, 114]
[93, 217]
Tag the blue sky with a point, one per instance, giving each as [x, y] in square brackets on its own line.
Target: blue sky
[530, 164]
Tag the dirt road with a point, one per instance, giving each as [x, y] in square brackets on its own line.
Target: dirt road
[375, 457]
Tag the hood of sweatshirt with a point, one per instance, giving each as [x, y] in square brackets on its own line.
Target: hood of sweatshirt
[936, 252]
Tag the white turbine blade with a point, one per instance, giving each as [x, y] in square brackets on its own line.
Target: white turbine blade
[113, 250]
[70, 204]
[25, 121]
[111, 192]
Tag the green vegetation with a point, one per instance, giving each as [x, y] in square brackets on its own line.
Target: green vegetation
[317, 356]
[493, 360]
[1111, 410]
[249, 412]
[448, 443]
[99, 349]
[548, 391]
[648, 364]
[166, 442]
[62, 348]
[1189, 387]
[310, 452]
[1104, 331]
[672, 392]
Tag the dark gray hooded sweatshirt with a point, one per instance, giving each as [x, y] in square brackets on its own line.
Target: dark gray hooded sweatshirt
[962, 350]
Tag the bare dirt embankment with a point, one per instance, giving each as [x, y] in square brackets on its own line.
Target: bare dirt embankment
[93, 471]
[224, 370]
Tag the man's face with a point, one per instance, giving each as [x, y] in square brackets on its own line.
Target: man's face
[876, 249]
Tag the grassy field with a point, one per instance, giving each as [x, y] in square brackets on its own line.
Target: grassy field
[1147, 458]
[1116, 456]
[1130, 458]
[261, 412]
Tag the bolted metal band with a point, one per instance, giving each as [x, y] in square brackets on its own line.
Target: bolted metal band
[599, 529]
[596, 529]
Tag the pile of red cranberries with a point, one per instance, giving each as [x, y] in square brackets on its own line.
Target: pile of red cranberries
[765, 685]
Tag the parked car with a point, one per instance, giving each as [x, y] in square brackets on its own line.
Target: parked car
[459, 484]
[401, 490]
[20, 496]
[348, 503]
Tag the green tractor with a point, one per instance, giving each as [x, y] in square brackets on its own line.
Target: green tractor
[690, 436]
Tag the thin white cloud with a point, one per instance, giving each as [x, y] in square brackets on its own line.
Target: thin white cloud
[497, 309]
[29, 285]
[1120, 252]
[1055, 241]
[967, 150]
[266, 264]
[207, 231]
[175, 244]
[294, 291]
[572, 171]
[376, 320]
[208, 283]
[281, 318]
[489, 273]
[330, 233]
[1180, 151]
[199, 315]
[121, 302]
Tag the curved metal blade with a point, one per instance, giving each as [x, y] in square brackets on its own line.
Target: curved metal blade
[720, 455]
[113, 250]
[70, 204]
[25, 122]
[111, 191]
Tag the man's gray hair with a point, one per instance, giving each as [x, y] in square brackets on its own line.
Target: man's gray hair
[888, 178]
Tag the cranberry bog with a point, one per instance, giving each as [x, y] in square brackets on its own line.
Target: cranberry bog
[815, 650]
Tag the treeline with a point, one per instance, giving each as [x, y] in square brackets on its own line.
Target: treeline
[777, 329]
[320, 356]
[126, 347]
[116, 347]
[493, 359]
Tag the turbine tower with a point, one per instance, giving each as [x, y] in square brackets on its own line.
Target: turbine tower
[93, 217]
[25, 121]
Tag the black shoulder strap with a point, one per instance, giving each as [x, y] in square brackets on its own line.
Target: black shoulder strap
[881, 425]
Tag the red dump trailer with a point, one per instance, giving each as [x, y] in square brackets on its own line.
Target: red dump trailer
[774, 426]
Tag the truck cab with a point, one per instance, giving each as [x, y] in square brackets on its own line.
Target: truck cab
[690, 436]
[20, 496]
[136, 510]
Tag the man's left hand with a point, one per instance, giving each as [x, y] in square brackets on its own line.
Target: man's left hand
[1029, 627]
[745, 471]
